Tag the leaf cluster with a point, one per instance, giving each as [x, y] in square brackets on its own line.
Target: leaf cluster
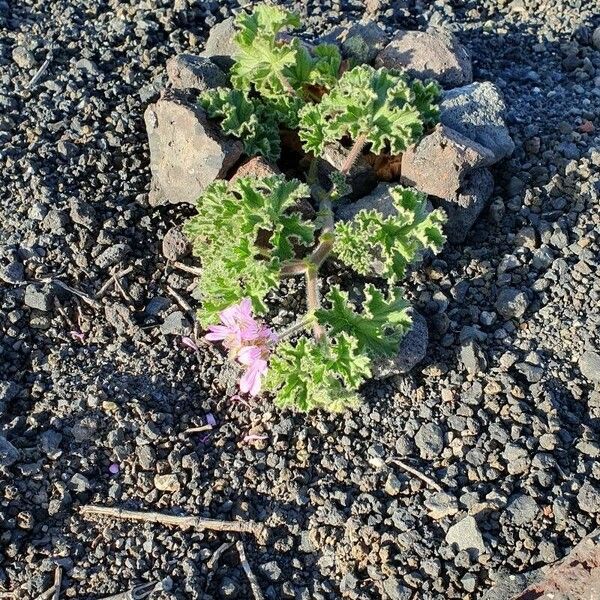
[379, 106]
[242, 233]
[391, 242]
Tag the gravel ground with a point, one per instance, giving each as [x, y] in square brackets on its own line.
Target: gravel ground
[504, 414]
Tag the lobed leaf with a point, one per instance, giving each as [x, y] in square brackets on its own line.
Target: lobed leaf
[314, 374]
[391, 242]
[225, 234]
[379, 105]
[380, 327]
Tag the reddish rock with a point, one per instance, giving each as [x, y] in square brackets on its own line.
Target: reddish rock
[429, 54]
[175, 245]
[440, 162]
[187, 152]
[255, 167]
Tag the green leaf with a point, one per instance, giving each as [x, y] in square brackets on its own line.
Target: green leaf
[225, 232]
[248, 119]
[393, 242]
[313, 374]
[379, 105]
[378, 329]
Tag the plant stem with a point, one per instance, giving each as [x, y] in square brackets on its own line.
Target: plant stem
[355, 151]
[286, 84]
[295, 327]
[293, 267]
[313, 298]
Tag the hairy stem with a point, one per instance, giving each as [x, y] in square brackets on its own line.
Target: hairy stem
[294, 267]
[286, 84]
[296, 327]
[313, 299]
[355, 151]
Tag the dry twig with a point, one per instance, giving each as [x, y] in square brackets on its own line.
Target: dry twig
[57, 582]
[189, 522]
[258, 595]
[197, 429]
[187, 268]
[436, 486]
[114, 278]
[41, 70]
[87, 299]
[181, 302]
[212, 562]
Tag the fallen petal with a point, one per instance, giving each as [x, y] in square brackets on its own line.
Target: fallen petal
[253, 437]
[210, 420]
[189, 342]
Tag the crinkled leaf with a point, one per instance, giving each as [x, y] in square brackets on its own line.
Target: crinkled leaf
[393, 242]
[379, 104]
[380, 326]
[312, 374]
[225, 233]
[245, 118]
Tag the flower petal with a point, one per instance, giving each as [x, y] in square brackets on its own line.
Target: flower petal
[248, 355]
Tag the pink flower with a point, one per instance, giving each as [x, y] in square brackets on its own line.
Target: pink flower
[247, 341]
[254, 358]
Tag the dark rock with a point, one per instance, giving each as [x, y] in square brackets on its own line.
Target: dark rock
[220, 45]
[472, 357]
[8, 453]
[358, 41]
[413, 348]
[187, 152]
[433, 54]
[522, 510]
[198, 73]
[112, 255]
[511, 303]
[477, 112]
[13, 273]
[361, 178]
[175, 244]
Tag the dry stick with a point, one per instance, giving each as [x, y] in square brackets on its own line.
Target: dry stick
[187, 268]
[418, 474]
[197, 429]
[181, 301]
[87, 299]
[258, 595]
[212, 562]
[190, 522]
[41, 70]
[113, 279]
[57, 582]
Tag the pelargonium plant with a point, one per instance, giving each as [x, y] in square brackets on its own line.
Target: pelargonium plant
[250, 233]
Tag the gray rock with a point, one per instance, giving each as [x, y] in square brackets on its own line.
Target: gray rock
[434, 54]
[589, 365]
[23, 57]
[8, 453]
[187, 152]
[271, 570]
[440, 162]
[80, 483]
[83, 214]
[13, 273]
[167, 483]
[522, 509]
[430, 440]
[39, 297]
[413, 348]
[511, 303]
[472, 357]
[176, 323]
[175, 244]
[198, 73]
[440, 505]
[596, 38]
[477, 111]
[112, 255]
[220, 46]
[466, 535]
[588, 498]
[359, 41]
[394, 590]
[229, 588]
[464, 211]
[379, 199]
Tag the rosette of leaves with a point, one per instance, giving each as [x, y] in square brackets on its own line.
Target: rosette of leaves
[272, 78]
[242, 233]
[375, 106]
[391, 243]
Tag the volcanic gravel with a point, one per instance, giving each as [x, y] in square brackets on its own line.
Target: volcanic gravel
[504, 414]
